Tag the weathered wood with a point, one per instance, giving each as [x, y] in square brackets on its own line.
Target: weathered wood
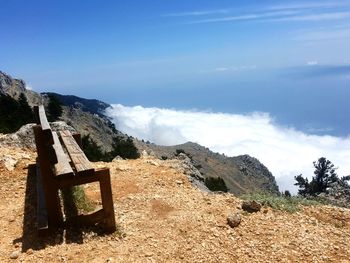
[87, 220]
[79, 180]
[57, 170]
[77, 138]
[53, 207]
[80, 162]
[62, 167]
[45, 126]
[36, 114]
[41, 214]
[107, 199]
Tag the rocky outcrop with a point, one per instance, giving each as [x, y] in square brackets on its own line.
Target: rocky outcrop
[24, 137]
[98, 128]
[15, 87]
[253, 168]
[241, 174]
[338, 193]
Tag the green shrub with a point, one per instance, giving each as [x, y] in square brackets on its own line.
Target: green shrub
[75, 201]
[14, 114]
[324, 176]
[54, 108]
[125, 148]
[93, 152]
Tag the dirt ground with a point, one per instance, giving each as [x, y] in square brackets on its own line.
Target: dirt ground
[161, 217]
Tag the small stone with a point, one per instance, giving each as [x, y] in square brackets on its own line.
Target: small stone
[14, 254]
[148, 254]
[17, 245]
[153, 162]
[29, 251]
[179, 182]
[234, 220]
[251, 206]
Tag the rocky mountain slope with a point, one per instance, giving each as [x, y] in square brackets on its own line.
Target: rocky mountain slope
[242, 174]
[161, 217]
[14, 87]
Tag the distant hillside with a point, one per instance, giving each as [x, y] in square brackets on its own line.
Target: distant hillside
[88, 105]
[242, 174]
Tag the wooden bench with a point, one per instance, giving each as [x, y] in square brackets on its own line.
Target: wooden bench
[62, 164]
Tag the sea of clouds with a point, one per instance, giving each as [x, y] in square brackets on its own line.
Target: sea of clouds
[285, 151]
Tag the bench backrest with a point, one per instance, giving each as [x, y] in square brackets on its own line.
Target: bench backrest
[55, 151]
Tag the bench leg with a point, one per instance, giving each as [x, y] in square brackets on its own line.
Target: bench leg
[52, 200]
[107, 200]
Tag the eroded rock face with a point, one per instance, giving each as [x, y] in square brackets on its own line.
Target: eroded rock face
[15, 87]
[24, 137]
[338, 194]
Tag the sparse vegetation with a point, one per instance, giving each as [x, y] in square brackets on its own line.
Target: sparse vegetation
[279, 202]
[324, 176]
[125, 148]
[13, 113]
[93, 152]
[54, 108]
[75, 201]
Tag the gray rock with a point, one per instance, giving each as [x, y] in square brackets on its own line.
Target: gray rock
[15, 254]
[234, 220]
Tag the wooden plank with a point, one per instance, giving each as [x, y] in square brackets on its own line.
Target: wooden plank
[86, 220]
[79, 180]
[41, 215]
[62, 167]
[45, 126]
[36, 114]
[53, 206]
[107, 200]
[80, 162]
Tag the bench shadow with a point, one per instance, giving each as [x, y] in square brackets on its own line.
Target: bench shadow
[30, 238]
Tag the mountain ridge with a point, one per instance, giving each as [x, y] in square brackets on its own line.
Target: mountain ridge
[242, 174]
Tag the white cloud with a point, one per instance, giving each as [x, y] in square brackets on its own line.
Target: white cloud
[285, 151]
[312, 63]
[29, 87]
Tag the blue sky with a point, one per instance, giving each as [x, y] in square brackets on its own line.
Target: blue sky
[290, 59]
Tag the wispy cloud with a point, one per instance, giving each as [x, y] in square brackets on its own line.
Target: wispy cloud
[252, 16]
[307, 11]
[197, 13]
[310, 5]
[229, 69]
[315, 17]
[323, 34]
